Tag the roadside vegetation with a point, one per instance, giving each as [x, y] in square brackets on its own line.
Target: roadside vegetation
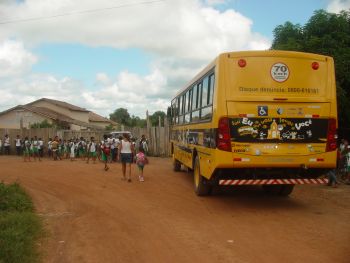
[327, 34]
[20, 227]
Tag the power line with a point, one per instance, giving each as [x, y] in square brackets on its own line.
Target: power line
[22, 20]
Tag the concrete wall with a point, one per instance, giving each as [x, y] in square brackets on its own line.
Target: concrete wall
[12, 119]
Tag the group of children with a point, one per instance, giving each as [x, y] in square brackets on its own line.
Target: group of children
[108, 150]
[126, 154]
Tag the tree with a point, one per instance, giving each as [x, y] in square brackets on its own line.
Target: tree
[288, 37]
[109, 127]
[120, 116]
[154, 118]
[137, 122]
[328, 34]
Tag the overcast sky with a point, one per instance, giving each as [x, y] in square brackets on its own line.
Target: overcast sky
[136, 54]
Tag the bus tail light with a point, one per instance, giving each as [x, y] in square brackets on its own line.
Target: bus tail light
[242, 63]
[332, 135]
[315, 65]
[223, 140]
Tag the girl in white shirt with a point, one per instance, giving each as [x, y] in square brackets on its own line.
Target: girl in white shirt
[126, 149]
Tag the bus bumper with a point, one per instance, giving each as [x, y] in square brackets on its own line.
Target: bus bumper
[273, 181]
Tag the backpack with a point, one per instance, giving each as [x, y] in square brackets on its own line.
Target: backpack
[141, 159]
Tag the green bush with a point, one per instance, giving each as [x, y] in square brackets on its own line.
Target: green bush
[20, 228]
[13, 198]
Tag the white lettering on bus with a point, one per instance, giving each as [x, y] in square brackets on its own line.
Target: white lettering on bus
[303, 124]
[246, 121]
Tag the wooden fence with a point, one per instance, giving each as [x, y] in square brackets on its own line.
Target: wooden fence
[158, 137]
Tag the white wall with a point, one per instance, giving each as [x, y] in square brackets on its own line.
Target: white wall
[12, 119]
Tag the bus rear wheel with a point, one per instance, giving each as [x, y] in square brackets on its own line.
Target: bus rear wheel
[286, 189]
[201, 184]
[282, 190]
[176, 165]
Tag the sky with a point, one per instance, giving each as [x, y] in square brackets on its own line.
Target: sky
[135, 54]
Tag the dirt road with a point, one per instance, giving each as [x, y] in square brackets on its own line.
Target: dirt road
[93, 216]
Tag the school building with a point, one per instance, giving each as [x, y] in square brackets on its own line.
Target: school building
[60, 113]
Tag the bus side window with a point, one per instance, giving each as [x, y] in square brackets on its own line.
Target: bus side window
[188, 106]
[195, 102]
[176, 111]
[194, 97]
[205, 92]
[211, 88]
[206, 108]
[181, 108]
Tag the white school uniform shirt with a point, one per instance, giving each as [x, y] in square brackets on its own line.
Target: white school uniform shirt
[72, 149]
[92, 147]
[126, 147]
[112, 143]
[105, 144]
[7, 141]
[41, 144]
[27, 144]
[18, 142]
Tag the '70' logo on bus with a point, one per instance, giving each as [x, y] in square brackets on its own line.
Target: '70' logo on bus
[279, 72]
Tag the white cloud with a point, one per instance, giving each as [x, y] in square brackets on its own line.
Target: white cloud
[103, 78]
[335, 6]
[215, 2]
[127, 90]
[183, 28]
[182, 36]
[14, 59]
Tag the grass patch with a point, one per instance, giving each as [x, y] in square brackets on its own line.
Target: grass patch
[20, 227]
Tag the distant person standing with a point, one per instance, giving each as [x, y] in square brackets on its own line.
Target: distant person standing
[7, 144]
[91, 150]
[113, 150]
[18, 144]
[0, 146]
[26, 149]
[105, 151]
[126, 150]
[54, 148]
[144, 144]
[347, 164]
[36, 148]
[72, 150]
[41, 148]
[49, 148]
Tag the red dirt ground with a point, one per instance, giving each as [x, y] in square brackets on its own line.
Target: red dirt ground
[93, 216]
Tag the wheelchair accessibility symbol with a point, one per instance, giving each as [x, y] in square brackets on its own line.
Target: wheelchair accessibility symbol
[262, 110]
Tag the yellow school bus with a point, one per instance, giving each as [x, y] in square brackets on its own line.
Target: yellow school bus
[257, 118]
